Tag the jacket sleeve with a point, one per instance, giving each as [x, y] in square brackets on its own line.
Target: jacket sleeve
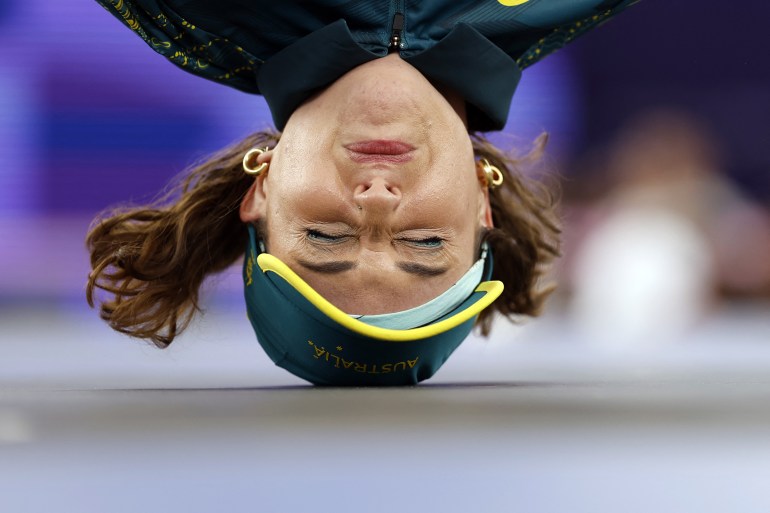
[557, 33]
[183, 43]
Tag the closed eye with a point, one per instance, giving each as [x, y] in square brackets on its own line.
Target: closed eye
[325, 238]
[427, 243]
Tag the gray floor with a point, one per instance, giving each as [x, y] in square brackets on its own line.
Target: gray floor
[535, 419]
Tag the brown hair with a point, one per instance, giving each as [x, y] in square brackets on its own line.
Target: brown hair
[152, 260]
[525, 237]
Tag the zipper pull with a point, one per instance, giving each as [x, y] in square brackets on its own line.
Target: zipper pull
[395, 37]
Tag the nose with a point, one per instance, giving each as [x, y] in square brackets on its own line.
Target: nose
[377, 197]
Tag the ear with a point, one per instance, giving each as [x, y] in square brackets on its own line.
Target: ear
[485, 208]
[254, 203]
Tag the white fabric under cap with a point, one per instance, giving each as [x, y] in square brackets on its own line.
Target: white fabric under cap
[435, 308]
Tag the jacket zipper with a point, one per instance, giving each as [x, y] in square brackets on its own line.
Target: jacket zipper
[395, 35]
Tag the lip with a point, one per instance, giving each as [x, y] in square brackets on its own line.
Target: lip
[381, 150]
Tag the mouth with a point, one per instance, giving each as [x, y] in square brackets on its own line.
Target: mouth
[380, 151]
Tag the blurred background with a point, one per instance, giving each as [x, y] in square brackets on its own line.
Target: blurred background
[644, 386]
[659, 132]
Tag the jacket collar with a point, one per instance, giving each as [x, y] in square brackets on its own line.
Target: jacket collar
[464, 60]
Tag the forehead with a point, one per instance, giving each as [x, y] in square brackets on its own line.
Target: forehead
[369, 288]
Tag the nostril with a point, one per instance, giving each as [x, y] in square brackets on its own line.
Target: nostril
[360, 189]
[377, 196]
[376, 186]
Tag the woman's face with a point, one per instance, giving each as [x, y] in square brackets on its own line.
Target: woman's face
[372, 194]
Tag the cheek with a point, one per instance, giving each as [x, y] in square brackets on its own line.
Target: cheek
[455, 189]
[306, 140]
[300, 176]
[302, 200]
[455, 212]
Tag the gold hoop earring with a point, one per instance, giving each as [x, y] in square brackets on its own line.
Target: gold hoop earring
[252, 155]
[493, 177]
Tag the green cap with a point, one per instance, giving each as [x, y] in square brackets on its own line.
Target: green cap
[308, 336]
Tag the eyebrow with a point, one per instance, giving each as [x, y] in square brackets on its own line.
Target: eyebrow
[421, 270]
[336, 267]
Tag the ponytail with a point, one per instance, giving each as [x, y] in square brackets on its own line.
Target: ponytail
[152, 260]
[525, 239]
